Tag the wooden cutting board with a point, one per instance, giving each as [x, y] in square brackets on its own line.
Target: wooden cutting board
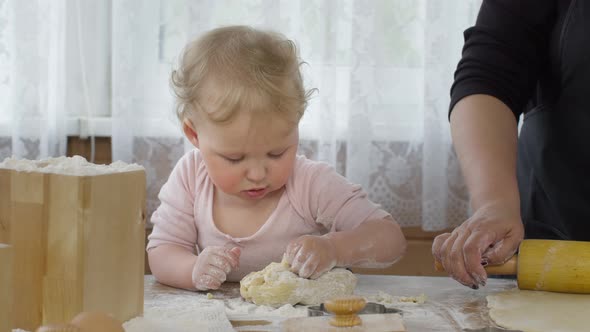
[372, 323]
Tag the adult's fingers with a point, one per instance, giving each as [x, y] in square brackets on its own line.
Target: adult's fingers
[504, 249]
[437, 245]
[473, 249]
[455, 260]
[445, 251]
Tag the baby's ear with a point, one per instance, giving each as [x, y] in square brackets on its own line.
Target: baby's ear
[189, 131]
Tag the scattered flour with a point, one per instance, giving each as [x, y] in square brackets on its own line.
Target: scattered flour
[184, 312]
[385, 299]
[195, 312]
[188, 312]
[75, 165]
[210, 316]
[236, 307]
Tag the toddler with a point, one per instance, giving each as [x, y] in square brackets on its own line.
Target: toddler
[244, 198]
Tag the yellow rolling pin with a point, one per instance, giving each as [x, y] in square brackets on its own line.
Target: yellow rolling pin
[547, 265]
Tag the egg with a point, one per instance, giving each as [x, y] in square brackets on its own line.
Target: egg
[97, 322]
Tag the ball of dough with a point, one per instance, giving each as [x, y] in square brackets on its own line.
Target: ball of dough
[275, 286]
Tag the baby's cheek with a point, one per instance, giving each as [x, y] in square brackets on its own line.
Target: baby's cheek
[226, 181]
[228, 184]
[283, 171]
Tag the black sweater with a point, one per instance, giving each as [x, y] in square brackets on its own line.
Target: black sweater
[534, 55]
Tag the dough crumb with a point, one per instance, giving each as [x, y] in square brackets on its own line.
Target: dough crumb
[420, 299]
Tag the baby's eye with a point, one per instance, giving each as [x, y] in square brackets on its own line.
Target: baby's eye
[233, 160]
[276, 155]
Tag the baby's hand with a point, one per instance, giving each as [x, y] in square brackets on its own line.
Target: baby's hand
[212, 266]
[310, 256]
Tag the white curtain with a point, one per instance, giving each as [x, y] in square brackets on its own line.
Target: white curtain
[32, 65]
[54, 73]
[383, 69]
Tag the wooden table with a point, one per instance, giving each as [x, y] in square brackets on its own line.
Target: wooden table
[449, 306]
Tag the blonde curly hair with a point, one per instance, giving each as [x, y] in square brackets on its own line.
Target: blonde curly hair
[248, 69]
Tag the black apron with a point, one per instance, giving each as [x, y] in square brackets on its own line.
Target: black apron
[554, 143]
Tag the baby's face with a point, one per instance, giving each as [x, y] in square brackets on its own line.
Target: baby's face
[252, 156]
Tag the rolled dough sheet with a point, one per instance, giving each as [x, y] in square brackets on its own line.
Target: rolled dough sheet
[536, 311]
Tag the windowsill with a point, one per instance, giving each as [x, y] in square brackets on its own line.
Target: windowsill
[99, 126]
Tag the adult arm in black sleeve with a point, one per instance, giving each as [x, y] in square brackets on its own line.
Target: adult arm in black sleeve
[494, 80]
[504, 51]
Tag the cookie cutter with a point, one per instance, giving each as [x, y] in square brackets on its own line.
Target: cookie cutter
[370, 308]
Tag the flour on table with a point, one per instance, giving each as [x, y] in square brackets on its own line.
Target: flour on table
[193, 311]
[275, 286]
[237, 307]
[385, 298]
[536, 311]
[182, 314]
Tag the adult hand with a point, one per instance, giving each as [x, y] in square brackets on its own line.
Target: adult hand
[491, 236]
[310, 256]
[212, 266]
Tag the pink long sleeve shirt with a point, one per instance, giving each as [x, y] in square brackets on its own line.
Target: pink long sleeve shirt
[316, 200]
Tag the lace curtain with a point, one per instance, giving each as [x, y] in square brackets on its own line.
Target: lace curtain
[383, 69]
[54, 73]
[32, 80]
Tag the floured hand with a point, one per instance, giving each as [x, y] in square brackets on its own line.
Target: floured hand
[212, 266]
[490, 236]
[310, 256]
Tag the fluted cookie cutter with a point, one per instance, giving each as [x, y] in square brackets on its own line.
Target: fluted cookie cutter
[370, 308]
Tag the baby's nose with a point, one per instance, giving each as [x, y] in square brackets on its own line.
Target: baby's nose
[256, 173]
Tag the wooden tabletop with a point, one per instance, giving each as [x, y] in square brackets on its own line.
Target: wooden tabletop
[449, 306]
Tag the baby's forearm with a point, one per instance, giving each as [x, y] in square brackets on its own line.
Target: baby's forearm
[172, 265]
[373, 244]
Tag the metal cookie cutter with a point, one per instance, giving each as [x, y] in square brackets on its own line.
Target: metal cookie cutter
[370, 308]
